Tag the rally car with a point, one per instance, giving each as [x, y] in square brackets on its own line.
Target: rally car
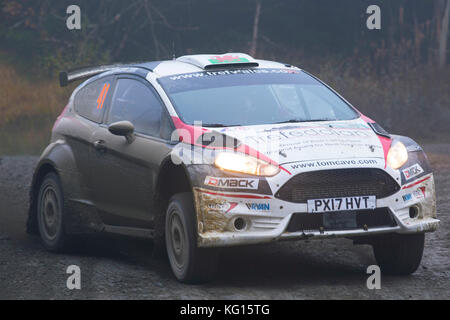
[209, 151]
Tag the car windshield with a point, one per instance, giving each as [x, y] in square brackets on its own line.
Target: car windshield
[245, 97]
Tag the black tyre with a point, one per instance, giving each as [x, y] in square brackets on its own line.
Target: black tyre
[189, 263]
[50, 214]
[399, 254]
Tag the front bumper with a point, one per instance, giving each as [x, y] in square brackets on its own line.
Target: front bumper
[266, 218]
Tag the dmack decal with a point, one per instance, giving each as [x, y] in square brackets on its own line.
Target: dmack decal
[232, 183]
[258, 206]
[412, 171]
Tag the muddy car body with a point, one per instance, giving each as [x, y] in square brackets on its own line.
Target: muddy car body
[208, 151]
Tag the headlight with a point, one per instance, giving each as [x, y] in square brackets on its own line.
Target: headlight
[245, 164]
[397, 155]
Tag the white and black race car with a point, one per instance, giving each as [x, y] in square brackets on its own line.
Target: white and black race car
[209, 151]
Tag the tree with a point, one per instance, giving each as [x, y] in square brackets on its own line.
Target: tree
[254, 43]
[443, 17]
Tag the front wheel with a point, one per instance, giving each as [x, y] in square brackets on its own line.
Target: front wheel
[399, 254]
[189, 263]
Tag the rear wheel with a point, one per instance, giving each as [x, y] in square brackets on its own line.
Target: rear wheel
[189, 263]
[50, 213]
[399, 254]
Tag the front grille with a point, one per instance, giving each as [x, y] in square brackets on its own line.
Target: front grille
[343, 220]
[338, 183]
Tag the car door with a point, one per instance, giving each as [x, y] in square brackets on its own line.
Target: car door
[124, 173]
[89, 112]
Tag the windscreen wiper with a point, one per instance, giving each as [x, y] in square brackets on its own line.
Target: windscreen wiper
[319, 120]
[298, 120]
[290, 121]
[219, 125]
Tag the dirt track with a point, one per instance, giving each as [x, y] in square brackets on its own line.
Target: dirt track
[113, 268]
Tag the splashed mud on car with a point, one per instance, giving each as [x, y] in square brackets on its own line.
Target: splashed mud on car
[211, 217]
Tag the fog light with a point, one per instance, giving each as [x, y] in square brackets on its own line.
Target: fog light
[239, 224]
[413, 212]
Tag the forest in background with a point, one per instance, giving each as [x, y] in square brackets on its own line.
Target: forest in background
[398, 75]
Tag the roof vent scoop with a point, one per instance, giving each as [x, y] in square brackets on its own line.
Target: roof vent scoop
[220, 61]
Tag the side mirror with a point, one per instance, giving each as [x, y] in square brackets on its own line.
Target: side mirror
[124, 129]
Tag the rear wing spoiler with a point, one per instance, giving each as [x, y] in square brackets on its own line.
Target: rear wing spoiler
[66, 77]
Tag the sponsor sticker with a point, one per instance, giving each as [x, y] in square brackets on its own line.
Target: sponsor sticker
[258, 206]
[407, 197]
[308, 132]
[420, 193]
[232, 183]
[225, 207]
[195, 75]
[412, 171]
[335, 163]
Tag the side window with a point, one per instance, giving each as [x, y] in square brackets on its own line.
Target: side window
[137, 103]
[90, 100]
[166, 126]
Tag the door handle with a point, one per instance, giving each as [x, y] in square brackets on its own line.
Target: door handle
[100, 145]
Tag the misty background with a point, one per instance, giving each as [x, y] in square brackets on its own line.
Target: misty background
[399, 75]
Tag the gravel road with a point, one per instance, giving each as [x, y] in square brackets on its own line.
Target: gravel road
[119, 268]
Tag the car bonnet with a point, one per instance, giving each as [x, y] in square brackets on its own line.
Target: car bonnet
[327, 140]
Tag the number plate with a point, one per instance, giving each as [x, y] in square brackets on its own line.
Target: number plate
[342, 204]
